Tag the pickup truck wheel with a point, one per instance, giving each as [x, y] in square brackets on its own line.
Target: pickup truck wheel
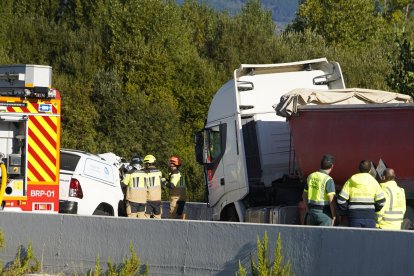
[99, 212]
[103, 210]
[122, 209]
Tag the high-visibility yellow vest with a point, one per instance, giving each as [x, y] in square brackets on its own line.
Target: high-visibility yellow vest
[153, 184]
[362, 191]
[135, 180]
[136, 188]
[392, 214]
[177, 179]
[153, 178]
[317, 195]
[178, 188]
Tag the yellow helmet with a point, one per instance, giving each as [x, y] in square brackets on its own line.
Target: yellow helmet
[149, 159]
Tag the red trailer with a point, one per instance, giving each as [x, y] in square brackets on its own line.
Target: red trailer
[352, 131]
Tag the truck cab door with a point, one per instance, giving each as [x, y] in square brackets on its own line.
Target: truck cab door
[211, 156]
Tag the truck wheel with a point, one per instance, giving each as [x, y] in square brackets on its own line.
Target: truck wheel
[406, 225]
[409, 213]
[229, 214]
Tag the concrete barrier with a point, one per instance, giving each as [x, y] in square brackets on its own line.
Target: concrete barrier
[70, 244]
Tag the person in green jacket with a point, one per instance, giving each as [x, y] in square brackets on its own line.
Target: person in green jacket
[319, 194]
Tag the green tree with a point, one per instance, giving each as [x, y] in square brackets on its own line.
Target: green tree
[340, 22]
[257, 33]
[6, 15]
[402, 76]
[78, 115]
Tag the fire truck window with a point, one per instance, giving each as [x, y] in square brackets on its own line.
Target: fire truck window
[68, 162]
[214, 150]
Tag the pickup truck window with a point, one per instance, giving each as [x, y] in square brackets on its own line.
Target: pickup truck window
[68, 162]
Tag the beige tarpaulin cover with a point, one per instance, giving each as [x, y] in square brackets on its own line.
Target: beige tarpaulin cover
[290, 101]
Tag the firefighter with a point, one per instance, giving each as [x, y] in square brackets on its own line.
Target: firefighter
[153, 184]
[136, 191]
[361, 196]
[177, 190]
[392, 215]
[319, 194]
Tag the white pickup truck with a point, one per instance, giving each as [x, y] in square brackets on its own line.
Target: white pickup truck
[89, 185]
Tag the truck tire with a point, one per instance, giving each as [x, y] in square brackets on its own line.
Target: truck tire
[406, 225]
[409, 213]
[229, 214]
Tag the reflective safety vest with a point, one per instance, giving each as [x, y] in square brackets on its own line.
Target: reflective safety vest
[153, 184]
[392, 215]
[136, 188]
[362, 194]
[178, 189]
[317, 195]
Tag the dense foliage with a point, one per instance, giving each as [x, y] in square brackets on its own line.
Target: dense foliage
[283, 11]
[137, 76]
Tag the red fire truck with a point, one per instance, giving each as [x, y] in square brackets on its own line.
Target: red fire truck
[29, 139]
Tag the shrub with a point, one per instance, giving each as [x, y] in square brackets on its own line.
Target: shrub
[25, 264]
[264, 267]
[130, 266]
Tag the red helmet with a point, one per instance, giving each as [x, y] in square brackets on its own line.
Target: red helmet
[176, 161]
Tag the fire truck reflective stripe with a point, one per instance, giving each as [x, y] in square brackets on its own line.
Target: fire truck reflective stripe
[51, 123]
[31, 107]
[33, 174]
[18, 109]
[42, 133]
[42, 148]
[38, 165]
[42, 125]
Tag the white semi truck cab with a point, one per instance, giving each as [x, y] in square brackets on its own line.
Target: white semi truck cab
[245, 147]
